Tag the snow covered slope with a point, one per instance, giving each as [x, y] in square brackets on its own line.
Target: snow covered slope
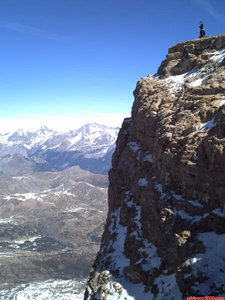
[47, 290]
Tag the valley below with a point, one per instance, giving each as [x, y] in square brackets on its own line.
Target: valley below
[51, 223]
[52, 231]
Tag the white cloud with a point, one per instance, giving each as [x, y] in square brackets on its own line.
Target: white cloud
[60, 123]
[30, 30]
[210, 8]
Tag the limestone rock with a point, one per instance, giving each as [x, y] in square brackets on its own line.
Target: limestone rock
[165, 231]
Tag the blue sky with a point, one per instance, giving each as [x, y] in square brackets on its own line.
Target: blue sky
[80, 59]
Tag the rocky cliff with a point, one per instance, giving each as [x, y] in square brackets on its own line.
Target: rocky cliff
[165, 231]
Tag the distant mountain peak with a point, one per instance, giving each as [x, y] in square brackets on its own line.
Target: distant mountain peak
[97, 126]
[44, 128]
[20, 132]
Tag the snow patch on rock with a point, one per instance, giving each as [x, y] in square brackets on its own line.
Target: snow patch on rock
[210, 265]
[134, 146]
[143, 182]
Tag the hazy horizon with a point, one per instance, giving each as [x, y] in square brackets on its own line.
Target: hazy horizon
[59, 123]
[67, 63]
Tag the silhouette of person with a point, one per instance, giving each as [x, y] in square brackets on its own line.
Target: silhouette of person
[202, 30]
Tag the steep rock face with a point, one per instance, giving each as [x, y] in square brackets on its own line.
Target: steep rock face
[165, 231]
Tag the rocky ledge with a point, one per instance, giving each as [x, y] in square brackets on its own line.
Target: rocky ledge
[165, 231]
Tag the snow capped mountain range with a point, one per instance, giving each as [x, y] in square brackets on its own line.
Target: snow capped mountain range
[46, 149]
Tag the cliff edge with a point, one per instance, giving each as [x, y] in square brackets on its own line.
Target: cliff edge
[165, 232]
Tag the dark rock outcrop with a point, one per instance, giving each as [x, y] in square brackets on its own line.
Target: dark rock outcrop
[165, 231]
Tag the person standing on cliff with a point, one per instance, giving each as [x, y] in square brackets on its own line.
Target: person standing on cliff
[202, 30]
